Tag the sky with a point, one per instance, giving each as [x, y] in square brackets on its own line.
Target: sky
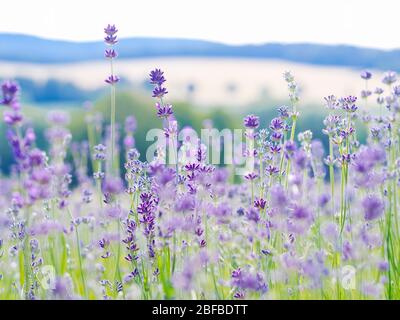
[367, 23]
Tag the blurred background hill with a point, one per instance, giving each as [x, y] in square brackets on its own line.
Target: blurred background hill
[14, 47]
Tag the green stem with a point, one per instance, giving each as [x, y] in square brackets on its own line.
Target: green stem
[332, 175]
[118, 276]
[80, 262]
[292, 133]
[27, 257]
[78, 247]
[252, 192]
[112, 128]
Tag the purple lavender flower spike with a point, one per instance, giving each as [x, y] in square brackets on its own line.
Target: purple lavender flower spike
[164, 111]
[110, 53]
[112, 186]
[111, 40]
[251, 122]
[373, 207]
[112, 79]
[251, 176]
[110, 30]
[12, 117]
[159, 92]
[130, 124]
[300, 212]
[283, 112]
[366, 75]
[389, 78]
[260, 203]
[331, 102]
[157, 77]
[10, 91]
[349, 104]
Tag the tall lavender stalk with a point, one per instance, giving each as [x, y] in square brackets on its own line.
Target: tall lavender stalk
[331, 123]
[294, 114]
[166, 113]
[251, 123]
[111, 54]
[348, 104]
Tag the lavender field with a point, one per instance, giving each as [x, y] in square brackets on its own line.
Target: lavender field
[264, 211]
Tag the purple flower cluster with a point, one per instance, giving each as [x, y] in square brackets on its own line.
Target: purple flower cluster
[251, 121]
[10, 93]
[245, 280]
[157, 79]
[146, 211]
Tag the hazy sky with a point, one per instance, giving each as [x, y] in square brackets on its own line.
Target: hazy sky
[366, 23]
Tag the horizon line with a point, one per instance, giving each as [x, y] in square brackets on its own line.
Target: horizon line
[258, 44]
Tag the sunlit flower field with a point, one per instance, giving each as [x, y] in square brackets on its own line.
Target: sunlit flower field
[287, 218]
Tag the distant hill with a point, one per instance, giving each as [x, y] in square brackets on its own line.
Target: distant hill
[23, 48]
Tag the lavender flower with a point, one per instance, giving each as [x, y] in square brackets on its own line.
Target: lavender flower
[130, 124]
[389, 78]
[99, 152]
[110, 53]
[12, 118]
[164, 111]
[366, 75]
[251, 176]
[300, 212]
[10, 91]
[110, 30]
[276, 124]
[112, 80]
[157, 77]
[373, 207]
[348, 104]
[159, 92]
[251, 122]
[331, 102]
[283, 112]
